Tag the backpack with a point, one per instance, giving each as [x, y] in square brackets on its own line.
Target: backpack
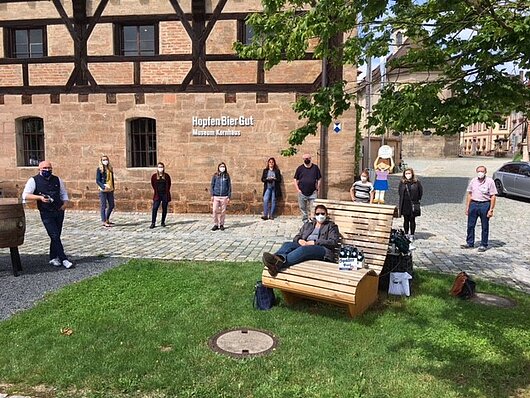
[264, 298]
[399, 243]
[463, 286]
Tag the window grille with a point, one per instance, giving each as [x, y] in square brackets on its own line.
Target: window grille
[143, 143]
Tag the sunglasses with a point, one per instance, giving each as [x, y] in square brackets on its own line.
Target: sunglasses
[320, 214]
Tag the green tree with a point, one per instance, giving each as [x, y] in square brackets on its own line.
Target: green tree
[467, 42]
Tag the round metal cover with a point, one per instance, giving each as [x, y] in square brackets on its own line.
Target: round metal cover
[496, 301]
[243, 342]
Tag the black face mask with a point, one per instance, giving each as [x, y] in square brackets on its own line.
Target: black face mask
[307, 161]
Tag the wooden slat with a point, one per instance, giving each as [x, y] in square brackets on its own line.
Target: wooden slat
[349, 280]
[311, 291]
[318, 283]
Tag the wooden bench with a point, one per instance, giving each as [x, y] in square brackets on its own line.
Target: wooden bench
[367, 227]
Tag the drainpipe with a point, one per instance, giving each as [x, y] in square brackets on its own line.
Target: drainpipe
[323, 147]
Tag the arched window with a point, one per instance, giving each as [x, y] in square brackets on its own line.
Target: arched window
[141, 143]
[30, 141]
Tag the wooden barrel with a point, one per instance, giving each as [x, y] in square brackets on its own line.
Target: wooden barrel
[12, 223]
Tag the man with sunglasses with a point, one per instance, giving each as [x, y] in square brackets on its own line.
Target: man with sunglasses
[316, 240]
[50, 193]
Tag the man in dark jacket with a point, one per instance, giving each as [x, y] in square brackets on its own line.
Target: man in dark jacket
[316, 240]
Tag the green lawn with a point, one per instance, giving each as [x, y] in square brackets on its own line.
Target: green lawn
[141, 330]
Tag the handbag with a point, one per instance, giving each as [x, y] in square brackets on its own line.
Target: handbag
[416, 209]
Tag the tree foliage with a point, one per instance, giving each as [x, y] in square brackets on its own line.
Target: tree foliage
[467, 43]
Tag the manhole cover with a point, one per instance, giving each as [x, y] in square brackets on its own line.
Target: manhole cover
[496, 301]
[243, 343]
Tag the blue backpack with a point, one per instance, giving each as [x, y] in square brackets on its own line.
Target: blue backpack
[264, 298]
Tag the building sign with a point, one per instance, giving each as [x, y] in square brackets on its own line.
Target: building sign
[224, 126]
[337, 126]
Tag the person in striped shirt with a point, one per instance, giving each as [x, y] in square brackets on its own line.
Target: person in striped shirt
[362, 191]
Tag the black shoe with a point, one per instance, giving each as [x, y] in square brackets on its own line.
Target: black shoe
[271, 217]
[151, 226]
[272, 262]
[222, 227]
[264, 218]
[215, 228]
[163, 224]
[466, 247]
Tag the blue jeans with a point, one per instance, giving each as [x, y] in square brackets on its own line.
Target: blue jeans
[269, 196]
[105, 197]
[156, 205]
[476, 210]
[293, 253]
[53, 222]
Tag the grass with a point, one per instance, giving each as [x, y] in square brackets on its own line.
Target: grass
[141, 330]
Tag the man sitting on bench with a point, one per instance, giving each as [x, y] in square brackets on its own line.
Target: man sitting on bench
[316, 240]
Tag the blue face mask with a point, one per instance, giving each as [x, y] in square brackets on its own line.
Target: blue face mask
[46, 173]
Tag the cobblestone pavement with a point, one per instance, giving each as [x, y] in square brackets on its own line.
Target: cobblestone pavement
[440, 231]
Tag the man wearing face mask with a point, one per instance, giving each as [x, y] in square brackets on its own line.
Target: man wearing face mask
[480, 202]
[307, 183]
[50, 193]
[316, 240]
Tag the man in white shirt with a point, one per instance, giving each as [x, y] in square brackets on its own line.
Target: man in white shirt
[50, 193]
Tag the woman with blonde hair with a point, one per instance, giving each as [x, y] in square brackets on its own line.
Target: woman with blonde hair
[105, 181]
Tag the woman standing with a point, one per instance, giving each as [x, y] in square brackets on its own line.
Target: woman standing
[362, 191]
[221, 190]
[161, 183]
[272, 192]
[105, 181]
[410, 193]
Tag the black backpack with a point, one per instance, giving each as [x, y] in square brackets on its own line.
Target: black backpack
[399, 241]
[264, 298]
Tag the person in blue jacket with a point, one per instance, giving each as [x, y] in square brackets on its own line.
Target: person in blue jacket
[221, 191]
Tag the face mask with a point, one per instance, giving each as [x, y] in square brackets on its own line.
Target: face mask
[364, 179]
[46, 173]
[481, 175]
[222, 169]
[160, 170]
[408, 176]
[320, 218]
[307, 161]
[105, 162]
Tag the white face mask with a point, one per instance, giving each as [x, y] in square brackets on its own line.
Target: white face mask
[408, 176]
[481, 175]
[364, 179]
[222, 169]
[160, 170]
[105, 162]
[320, 218]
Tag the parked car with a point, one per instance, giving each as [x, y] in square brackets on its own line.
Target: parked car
[513, 178]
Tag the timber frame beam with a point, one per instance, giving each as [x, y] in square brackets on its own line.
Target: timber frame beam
[198, 25]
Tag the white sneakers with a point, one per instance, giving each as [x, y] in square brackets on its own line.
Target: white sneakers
[57, 263]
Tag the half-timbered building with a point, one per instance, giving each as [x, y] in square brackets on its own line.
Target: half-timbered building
[144, 81]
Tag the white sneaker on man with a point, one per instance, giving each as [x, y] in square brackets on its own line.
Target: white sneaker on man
[67, 264]
[55, 262]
